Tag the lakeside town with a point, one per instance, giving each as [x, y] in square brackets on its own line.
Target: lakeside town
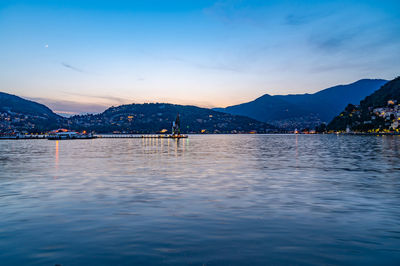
[390, 113]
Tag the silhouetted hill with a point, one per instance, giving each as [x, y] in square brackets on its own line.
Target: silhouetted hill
[17, 113]
[390, 91]
[154, 117]
[305, 110]
[378, 111]
[12, 103]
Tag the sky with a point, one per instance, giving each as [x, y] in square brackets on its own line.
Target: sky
[82, 56]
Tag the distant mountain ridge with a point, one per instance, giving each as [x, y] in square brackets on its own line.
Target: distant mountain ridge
[305, 110]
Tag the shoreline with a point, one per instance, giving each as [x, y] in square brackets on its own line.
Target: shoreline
[141, 136]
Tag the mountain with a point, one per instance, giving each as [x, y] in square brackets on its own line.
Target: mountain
[17, 113]
[305, 110]
[378, 111]
[154, 117]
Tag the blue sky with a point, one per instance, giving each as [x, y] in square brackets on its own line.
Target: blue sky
[82, 56]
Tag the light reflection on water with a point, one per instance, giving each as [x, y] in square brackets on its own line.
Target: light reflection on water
[213, 199]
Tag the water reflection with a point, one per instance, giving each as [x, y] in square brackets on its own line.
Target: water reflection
[56, 154]
[223, 199]
[159, 146]
[56, 159]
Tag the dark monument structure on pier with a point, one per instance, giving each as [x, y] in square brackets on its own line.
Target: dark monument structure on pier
[176, 126]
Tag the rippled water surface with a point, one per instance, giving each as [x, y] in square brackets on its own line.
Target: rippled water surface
[212, 199]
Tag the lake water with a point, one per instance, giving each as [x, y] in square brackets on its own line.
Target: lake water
[206, 200]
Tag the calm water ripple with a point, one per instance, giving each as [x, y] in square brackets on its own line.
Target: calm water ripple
[206, 200]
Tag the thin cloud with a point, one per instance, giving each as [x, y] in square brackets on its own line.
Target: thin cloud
[113, 99]
[70, 107]
[72, 67]
[339, 39]
[237, 12]
[297, 20]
